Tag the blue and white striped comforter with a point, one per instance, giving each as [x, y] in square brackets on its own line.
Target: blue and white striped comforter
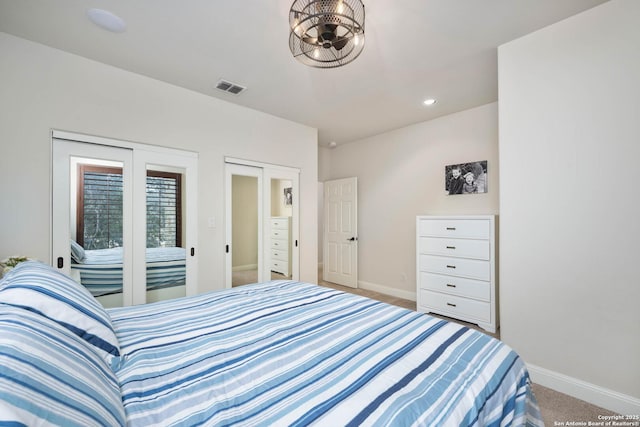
[287, 353]
[101, 270]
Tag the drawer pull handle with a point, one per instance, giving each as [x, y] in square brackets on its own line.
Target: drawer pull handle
[451, 305]
[451, 247]
[451, 229]
[450, 285]
[451, 266]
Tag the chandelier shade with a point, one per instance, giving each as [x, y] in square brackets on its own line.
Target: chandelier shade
[326, 33]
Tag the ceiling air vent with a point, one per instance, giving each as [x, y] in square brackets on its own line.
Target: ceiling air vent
[227, 86]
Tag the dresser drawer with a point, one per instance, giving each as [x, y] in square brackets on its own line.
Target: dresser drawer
[478, 249]
[280, 244]
[456, 286]
[280, 255]
[280, 266]
[455, 306]
[456, 228]
[470, 268]
[277, 233]
[280, 224]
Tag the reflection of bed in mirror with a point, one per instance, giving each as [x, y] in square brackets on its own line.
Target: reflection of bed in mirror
[100, 271]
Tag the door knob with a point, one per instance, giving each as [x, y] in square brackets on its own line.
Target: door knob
[353, 239]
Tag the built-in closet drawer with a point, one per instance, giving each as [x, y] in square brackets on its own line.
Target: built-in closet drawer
[280, 233]
[280, 266]
[279, 255]
[281, 245]
[280, 223]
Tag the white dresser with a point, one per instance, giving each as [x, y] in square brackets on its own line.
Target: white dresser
[281, 245]
[456, 271]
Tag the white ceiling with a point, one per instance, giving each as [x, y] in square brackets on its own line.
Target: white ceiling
[415, 49]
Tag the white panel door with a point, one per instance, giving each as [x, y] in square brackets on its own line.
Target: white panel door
[341, 232]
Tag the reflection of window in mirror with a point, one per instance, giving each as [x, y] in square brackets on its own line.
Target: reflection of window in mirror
[164, 209]
[99, 201]
[99, 213]
[118, 221]
[99, 230]
[96, 228]
[165, 251]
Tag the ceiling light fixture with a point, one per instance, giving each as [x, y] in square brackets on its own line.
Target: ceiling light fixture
[326, 33]
[107, 20]
[429, 101]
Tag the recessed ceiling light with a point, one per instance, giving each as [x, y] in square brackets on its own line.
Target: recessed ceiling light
[107, 20]
[429, 101]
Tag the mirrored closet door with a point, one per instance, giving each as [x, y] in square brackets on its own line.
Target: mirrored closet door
[124, 219]
[281, 237]
[167, 184]
[261, 222]
[92, 218]
[244, 225]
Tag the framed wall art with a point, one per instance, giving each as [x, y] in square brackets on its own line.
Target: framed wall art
[288, 196]
[466, 178]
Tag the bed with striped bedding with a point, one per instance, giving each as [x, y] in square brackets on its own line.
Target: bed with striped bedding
[289, 353]
[101, 270]
[275, 354]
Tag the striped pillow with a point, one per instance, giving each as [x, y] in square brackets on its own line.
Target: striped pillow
[77, 252]
[39, 288]
[50, 376]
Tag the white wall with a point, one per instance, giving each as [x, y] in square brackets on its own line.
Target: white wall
[400, 175]
[569, 205]
[43, 88]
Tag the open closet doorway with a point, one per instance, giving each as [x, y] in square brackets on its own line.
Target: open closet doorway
[261, 222]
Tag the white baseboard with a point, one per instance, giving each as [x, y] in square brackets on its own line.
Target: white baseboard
[245, 267]
[608, 399]
[398, 293]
